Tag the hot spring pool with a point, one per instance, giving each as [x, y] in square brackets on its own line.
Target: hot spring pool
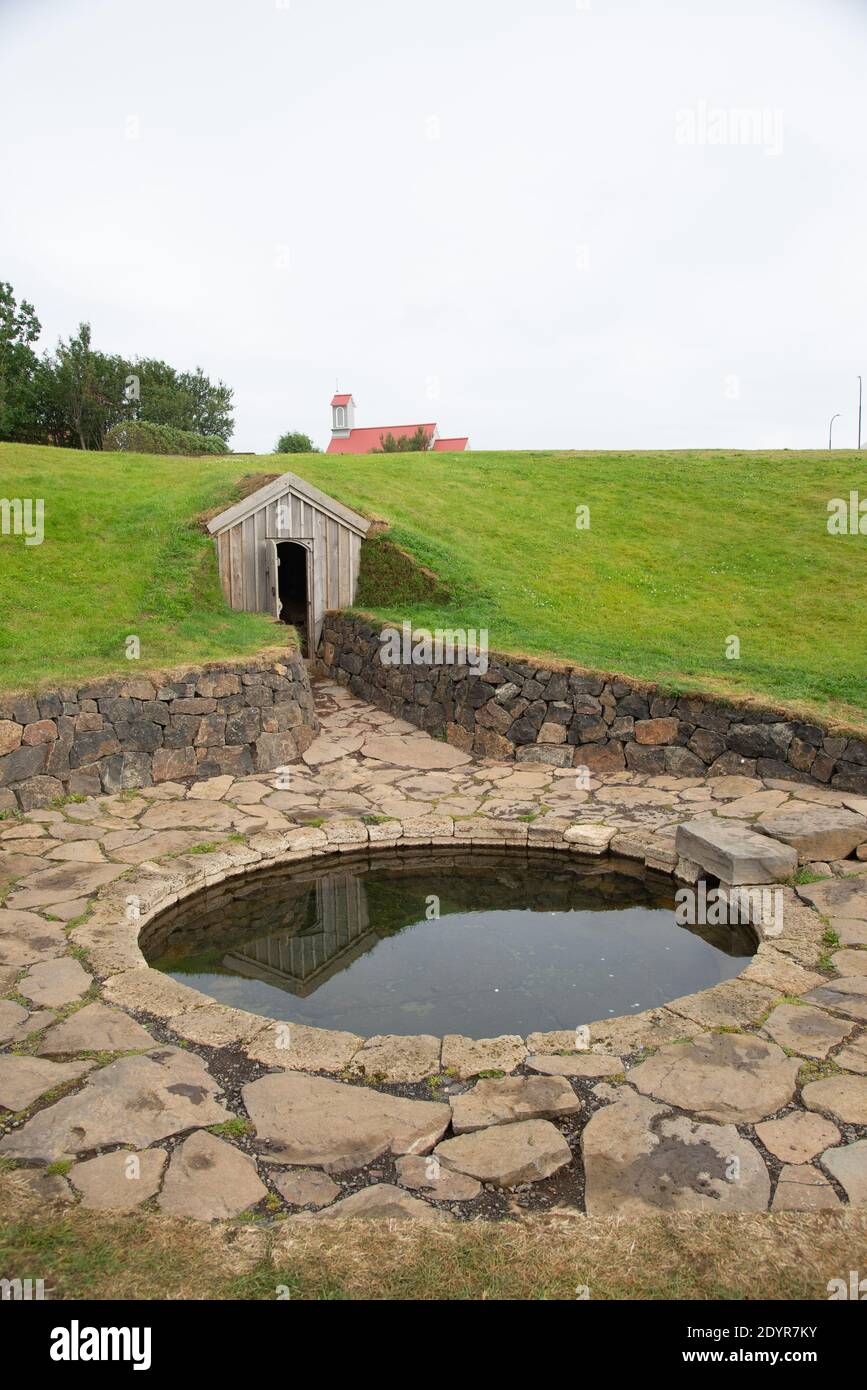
[443, 942]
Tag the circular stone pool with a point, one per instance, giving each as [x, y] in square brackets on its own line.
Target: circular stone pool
[473, 942]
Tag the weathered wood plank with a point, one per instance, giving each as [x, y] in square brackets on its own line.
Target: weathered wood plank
[355, 564]
[235, 569]
[344, 581]
[248, 562]
[223, 566]
[262, 598]
[330, 585]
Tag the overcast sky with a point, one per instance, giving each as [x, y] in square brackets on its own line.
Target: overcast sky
[544, 223]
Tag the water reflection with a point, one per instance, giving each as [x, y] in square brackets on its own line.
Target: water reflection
[456, 941]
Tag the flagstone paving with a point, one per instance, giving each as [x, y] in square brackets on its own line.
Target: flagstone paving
[749, 1096]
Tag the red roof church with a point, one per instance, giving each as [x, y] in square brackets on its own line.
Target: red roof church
[346, 439]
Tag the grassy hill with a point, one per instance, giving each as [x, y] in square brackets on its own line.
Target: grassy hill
[683, 551]
[122, 556]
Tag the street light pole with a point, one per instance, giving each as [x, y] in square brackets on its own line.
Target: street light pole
[831, 428]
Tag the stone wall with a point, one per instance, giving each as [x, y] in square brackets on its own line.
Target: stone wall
[239, 716]
[572, 718]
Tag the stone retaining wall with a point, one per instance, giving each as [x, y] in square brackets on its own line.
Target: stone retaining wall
[572, 718]
[233, 717]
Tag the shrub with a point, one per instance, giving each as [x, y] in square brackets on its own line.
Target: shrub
[295, 443]
[403, 444]
[143, 437]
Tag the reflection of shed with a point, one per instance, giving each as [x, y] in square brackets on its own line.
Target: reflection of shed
[301, 962]
[292, 551]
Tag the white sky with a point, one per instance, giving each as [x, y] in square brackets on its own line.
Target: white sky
[481, 212]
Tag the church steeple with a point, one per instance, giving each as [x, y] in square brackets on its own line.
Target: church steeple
[342, 415]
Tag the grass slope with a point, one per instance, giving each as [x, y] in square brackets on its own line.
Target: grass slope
[684, 550]
[122, 556]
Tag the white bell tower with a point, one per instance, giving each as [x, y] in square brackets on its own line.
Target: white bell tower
[342, 415]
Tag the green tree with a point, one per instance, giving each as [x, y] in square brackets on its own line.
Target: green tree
[86, 391]
[295, 443]
[156, 396]
[19, 366]
[74, 396]
[211, 404]
[189, 401]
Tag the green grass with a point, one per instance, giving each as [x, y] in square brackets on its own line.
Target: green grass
[122, 556]
[684, 550]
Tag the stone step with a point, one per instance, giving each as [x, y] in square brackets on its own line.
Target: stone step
[735, 854]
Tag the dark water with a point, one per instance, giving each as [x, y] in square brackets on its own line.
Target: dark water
[521, 943]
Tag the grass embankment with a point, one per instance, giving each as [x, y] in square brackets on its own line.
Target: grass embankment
[93, 1255]
[123, 555]
[684, 551]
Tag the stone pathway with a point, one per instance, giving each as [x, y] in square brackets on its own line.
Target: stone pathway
[137, 1090]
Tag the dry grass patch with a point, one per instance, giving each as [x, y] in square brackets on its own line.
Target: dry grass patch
[92, 1255]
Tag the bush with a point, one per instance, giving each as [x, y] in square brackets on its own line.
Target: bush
[404, 443]
[295, 443]
[143, 437]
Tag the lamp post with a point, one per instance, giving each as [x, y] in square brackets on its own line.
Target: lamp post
[831, 428]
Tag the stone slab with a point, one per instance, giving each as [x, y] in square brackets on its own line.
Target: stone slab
[846, 996]
[60, 884]
[209, 1180]
[843, 1097]
[383, 1202]
[848, 1164]
[466, 1057]
[393, 1058]
[55, 982]
[510, 1098]
[734, 853]
[311, 1120]
[119, 1181]
[136, 1100]
[297, 1047]
[426, 1174]
[507, 1155]
[306, 1187]
[23, 1079]
[26, 938]
[801, 1187]
[95, 1028]
[798, 1136]
[805, 1029]
[727, 1077]
[640, 1158]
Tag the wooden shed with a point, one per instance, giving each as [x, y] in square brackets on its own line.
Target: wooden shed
[290, 550]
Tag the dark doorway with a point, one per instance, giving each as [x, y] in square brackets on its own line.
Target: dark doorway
[292, 588]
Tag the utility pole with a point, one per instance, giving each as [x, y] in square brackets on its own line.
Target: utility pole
[831, 428]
